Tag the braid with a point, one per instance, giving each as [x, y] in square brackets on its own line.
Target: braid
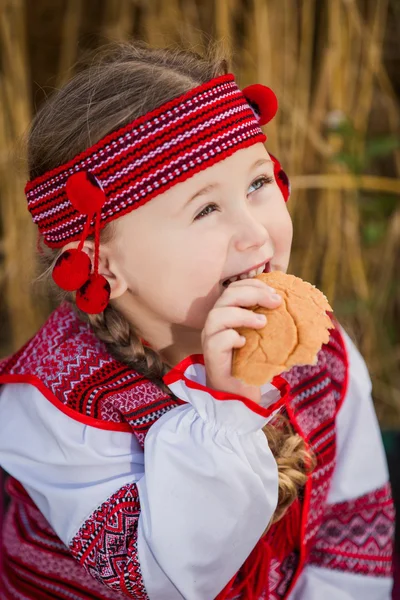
[295, 462]
[124, 343]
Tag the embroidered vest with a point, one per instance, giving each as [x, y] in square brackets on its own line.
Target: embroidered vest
[75, 371]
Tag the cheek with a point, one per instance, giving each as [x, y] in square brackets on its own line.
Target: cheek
[202, 257]
[281, 231]
[169, 262]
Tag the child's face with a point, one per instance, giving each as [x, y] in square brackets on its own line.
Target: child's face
[173, 264]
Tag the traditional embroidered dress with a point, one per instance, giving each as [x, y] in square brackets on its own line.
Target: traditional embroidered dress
[119, 490]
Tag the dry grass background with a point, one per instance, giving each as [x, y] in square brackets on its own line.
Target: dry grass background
[331, 65]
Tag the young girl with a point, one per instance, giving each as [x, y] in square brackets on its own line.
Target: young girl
[139, 466]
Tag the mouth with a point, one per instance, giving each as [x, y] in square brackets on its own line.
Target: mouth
[263, 268]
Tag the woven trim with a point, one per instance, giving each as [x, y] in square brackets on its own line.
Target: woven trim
[147, 157]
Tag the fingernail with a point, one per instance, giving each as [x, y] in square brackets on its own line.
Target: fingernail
[261, 317]
[271, 289]
[276, 297]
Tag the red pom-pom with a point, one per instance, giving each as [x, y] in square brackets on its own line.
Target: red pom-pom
[263, 102]
[94, 295]
[85, 192]
[281, 178]
[72, 269]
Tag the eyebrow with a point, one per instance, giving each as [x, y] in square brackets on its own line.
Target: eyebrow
[211, 186]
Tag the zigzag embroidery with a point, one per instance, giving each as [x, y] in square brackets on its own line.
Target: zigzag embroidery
[357, 536]
[76, 367]
[106, 544]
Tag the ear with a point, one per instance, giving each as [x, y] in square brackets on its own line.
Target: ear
[107, 266]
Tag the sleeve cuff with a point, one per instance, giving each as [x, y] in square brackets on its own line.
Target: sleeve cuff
[187, 381]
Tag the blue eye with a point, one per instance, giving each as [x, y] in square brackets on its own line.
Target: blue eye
[260, 182]
[203, 213]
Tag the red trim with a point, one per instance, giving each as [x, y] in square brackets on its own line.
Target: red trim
[177, 373]
[281, 383]
[92, 422]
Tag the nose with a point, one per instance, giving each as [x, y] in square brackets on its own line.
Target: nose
[249, 233]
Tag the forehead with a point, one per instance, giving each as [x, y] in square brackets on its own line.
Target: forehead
[237, 167]
[234, 168]
[237, 163]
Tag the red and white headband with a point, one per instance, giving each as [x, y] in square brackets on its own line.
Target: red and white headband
[129, 167]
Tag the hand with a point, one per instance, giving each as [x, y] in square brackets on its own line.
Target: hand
[219, 337]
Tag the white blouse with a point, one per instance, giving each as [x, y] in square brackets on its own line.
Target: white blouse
[207, 482]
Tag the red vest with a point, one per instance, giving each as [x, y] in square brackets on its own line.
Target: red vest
[75, 371]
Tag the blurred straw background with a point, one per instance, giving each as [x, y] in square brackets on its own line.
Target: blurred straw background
[334, 65]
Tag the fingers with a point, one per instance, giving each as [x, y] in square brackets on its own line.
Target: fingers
[220, 336]
[222, 344]
[232, 317]
[249, 292]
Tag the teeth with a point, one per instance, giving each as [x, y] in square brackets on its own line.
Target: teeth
[247, 275]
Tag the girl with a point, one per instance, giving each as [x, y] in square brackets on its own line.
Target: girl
[139, 466]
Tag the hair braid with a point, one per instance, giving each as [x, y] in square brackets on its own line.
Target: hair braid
[124, 343]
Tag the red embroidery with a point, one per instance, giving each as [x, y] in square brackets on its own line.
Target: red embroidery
[281, 574]
[111, 395]
[37, 564]
[315, 394]
[357, 536]
[75, 371]
[106, 544]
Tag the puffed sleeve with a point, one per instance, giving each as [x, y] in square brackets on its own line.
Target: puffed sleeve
[174, 522]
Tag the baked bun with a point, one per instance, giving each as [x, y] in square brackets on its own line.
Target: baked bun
[293, 334]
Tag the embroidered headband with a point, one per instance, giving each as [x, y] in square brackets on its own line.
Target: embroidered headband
[132, 165]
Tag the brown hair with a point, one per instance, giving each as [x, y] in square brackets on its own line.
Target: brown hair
[124, 82]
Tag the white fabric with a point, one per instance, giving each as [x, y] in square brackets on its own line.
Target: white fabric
[67, 468]
[361, 462]
[361, 468]
[210, 488]
[317, 583]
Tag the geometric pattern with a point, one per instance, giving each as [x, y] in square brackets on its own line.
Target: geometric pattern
[146, 156]
[281, 573]
[357, 536]
[76, 372]
[106, 544]
[36, 563]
